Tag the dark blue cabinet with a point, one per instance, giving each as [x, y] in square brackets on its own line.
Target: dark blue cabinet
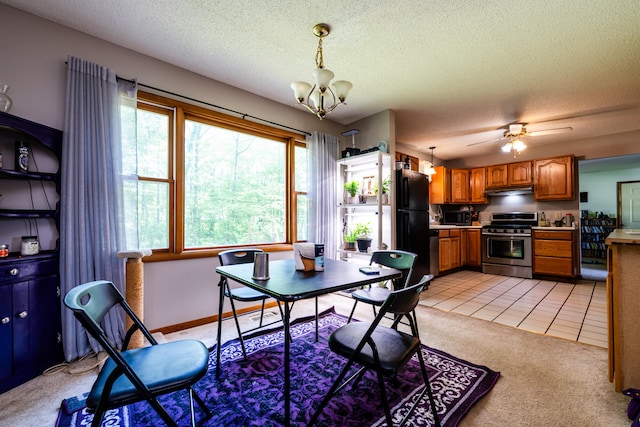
[30, 326]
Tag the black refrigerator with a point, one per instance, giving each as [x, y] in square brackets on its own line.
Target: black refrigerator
[412, 218]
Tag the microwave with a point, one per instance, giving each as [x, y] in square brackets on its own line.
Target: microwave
[456, 218]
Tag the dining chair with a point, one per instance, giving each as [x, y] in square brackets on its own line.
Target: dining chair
[376, 295]
[243, 294]
[384, 349]
[134, 375]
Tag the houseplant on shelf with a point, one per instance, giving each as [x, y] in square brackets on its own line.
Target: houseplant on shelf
[363, 236]
[350, 240]
[386, 187]
[351, 187]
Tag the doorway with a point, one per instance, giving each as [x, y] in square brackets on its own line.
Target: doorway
[629, 204]
[603, 188]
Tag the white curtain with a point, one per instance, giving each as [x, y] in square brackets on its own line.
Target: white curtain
[323, 223]
[92, 220]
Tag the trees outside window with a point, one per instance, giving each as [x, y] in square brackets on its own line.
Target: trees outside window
[207, 181]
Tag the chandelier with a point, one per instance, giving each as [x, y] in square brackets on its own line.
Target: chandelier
[319, 98]
[515, 146]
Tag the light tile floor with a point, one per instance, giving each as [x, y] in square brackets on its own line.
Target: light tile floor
[576, 312]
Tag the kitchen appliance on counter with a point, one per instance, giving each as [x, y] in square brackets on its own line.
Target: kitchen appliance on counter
[457, 217]
[412, 218]
[507, 247]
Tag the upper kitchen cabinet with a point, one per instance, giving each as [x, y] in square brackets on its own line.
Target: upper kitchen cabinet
[440, 186]
[509, 175]
[554, 178]
[477, 185]
[460, 186]
[519, 174]
[496, 176]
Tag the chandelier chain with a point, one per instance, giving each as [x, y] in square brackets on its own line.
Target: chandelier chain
[319, 58]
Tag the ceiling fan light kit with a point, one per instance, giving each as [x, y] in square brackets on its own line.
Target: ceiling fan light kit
[322, 97]
[515, 132]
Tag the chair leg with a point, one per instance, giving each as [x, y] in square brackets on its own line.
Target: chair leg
[192, 409]
[163, 412]
[235, 317]
[97, 417]
[333, 390]
[261, 313]
[383, 398]
[352, 311]
[201, 404]
[432, 402]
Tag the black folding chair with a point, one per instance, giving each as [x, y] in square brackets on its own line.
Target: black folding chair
[400, 260]
[384, 349]
[130, 376]
[245, 294]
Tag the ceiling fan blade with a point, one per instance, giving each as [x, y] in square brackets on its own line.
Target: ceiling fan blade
[550, 131]
[485, 142]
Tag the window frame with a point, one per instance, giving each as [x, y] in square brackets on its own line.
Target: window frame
[178, 112]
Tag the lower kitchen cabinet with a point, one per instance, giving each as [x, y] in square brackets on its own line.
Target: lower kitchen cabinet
[554, 252]
[449, 249]
[623, 300]
[473, 247]
[30, 328]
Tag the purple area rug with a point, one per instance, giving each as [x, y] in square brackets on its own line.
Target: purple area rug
[250, 392]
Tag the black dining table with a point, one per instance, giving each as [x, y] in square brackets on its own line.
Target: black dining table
[287, 285]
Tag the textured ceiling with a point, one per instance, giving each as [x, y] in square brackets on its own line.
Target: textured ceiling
[454, 71]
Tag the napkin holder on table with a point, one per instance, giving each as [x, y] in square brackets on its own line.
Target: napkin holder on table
[304, 255]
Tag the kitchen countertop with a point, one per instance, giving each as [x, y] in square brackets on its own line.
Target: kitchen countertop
[454, 227]
[553, 228]
[624, 236]
[451, 227]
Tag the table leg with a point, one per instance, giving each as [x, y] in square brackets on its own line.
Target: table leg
[316, 319]
[218, 343]
[287, 368]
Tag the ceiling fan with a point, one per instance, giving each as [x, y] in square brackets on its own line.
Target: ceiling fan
[518, 130]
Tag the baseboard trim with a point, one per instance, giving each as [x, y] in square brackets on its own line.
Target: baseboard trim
[210, 319]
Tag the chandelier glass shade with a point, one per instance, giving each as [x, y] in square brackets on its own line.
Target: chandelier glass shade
[321, 97]
[515, 146]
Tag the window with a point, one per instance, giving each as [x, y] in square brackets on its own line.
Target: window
[208, 181]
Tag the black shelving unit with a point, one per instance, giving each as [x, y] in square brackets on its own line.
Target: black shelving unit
[593, 232]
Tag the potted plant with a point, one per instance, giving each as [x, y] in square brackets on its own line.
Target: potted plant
[351, 187]
[350, 240]
[363, 236]
[386, 188]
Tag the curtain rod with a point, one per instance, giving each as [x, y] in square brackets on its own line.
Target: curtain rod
[243, 115]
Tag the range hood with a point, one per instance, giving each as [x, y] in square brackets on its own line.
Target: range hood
[509, 191]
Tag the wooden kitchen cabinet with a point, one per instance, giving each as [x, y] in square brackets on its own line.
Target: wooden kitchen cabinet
[497, 176]
[554, 252]
[473, 247]
[516, 174]
[440, 186]
[554, 178]
[460, 186]
[477, 185]
[449, 249]
[623, 300]
[519, 174]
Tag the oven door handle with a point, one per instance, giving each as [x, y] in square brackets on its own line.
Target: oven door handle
[508, 236]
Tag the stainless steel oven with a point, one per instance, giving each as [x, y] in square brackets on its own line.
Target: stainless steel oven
[507, 248]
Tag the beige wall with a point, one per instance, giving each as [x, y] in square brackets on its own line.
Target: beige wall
[33, 65]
